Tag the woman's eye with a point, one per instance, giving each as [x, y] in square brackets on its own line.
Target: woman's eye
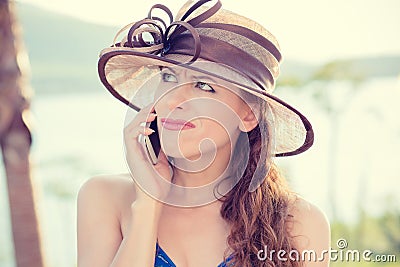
[167, 77]
[204, 86]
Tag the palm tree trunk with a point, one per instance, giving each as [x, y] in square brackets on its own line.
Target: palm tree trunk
[15, 141]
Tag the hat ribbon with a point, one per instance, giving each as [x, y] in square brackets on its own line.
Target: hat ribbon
[152, 35]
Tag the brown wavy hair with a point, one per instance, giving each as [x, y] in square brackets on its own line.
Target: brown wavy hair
[258, 219]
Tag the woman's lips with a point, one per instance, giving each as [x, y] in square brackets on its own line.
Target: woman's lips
[176, 125]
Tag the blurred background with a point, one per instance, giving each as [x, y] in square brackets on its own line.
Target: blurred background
[341, 69]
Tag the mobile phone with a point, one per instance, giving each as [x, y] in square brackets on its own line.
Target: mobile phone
[152, 143]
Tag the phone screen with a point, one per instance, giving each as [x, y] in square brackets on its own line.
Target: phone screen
[152, 143]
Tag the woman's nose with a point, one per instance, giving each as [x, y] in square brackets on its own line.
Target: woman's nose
[177, 97]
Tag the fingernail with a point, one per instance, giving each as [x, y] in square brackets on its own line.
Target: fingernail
[151, 116]
[150, 130]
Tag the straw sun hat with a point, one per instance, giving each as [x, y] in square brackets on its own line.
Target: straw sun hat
[205, 32]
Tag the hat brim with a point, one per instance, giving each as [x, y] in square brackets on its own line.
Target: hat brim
[294, 133]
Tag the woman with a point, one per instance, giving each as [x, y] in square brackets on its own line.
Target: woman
[212, 196]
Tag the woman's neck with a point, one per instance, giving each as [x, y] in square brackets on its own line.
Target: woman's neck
[191, 189]
[200, 172]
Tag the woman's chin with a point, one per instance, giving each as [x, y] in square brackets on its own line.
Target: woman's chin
[181, 155]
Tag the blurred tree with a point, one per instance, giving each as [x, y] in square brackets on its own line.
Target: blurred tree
[328, 79]
[340, 70]
[290, 81]
[390, 224]
[15, 140]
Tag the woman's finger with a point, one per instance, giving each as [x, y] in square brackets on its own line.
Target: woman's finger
[140, 118]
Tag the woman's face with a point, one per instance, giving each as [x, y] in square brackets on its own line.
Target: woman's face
[197, 114]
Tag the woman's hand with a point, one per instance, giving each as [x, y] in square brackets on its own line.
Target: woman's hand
[150, 180]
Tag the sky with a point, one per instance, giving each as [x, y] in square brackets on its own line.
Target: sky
[308, 30]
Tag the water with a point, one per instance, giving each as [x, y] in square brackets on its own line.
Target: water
[368, 137]
[77, 136]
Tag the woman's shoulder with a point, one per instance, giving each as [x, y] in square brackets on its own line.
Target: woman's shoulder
[105, 180]
[303, 210]
[310, 225]
[108, 183]
[101, 203]
[115, 189]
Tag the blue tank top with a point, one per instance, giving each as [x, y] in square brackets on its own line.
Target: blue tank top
[162, 259]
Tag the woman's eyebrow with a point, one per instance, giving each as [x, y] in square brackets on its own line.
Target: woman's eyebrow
[198, 77]
[168, 68]
[204, 78]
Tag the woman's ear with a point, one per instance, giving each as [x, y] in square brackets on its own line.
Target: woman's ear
[249, 121]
